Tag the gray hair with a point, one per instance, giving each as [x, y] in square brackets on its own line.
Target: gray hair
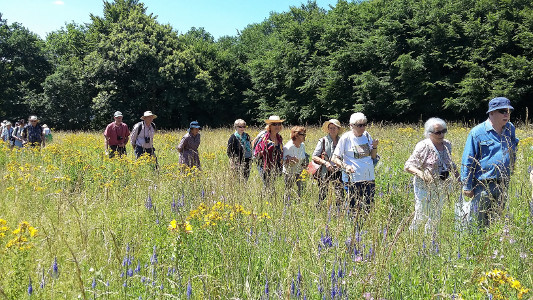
[430, 125]
[357, 118]
[238, 122]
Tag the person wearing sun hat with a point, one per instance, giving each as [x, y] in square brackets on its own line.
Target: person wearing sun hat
[32, 134]
[329, 171]
[116, 136]
[188, 146]
[488, 159]
[142, 135]
[268, 149]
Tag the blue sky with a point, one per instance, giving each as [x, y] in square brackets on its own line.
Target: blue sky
[218, 17]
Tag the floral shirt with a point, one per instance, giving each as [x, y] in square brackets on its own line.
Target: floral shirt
[425, 158]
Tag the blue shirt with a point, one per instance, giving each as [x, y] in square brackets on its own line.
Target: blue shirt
[487, 154]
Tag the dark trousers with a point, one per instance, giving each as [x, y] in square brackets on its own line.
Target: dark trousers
[140, 151]
[242, 168]
[335, 178]
[361, 195]
[116, 149]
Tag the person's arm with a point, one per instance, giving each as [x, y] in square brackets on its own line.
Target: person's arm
[182, 143]
[467, 165]
[133, 135]
[127, 137]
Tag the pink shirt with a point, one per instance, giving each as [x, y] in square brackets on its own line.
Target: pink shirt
[113, 131]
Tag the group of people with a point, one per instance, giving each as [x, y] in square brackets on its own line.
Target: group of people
[346, 163]
[342, 160]
[31, 134]
[141, 137]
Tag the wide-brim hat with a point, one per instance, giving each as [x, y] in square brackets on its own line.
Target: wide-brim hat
[273, 119]
[148, 113]
[33, 118]
[334, 122]
[499, 103]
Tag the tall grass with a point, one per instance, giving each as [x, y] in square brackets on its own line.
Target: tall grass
[106, 223]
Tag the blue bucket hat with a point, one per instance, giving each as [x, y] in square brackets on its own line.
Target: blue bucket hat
[499, 103]
[194, 124]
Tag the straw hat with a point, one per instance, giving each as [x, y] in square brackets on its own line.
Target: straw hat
[273, 119]
[334, 122]
[148, 113]
[33, 118]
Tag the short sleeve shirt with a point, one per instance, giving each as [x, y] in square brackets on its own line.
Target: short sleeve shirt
[355, 152]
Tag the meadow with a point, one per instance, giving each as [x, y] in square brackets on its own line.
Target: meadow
[76, 224]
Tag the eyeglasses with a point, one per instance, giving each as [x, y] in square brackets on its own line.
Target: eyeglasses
[302, 134]
[360, 125]
[241, 126]
[504, 111]
[275, 124]
[440, 132]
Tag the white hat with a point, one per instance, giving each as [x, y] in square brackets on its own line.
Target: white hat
[118, 114]
[273, 119]
[33, 118]
[148, 113]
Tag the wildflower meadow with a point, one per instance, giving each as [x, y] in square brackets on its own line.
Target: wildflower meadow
[76, 224]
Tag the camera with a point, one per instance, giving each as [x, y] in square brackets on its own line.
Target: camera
[444, 175]
[147, 139]
[119, 138]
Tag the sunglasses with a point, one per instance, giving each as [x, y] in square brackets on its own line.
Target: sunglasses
[360, 125]
[504, 111]
[275, 124]
[440, 132]
[241, 126]
[302, 134]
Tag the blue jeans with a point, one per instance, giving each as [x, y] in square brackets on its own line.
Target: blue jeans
[488, 202]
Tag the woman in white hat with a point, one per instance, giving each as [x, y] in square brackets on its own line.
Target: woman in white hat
[355, 153]
[269, 150]
[142, 135]
[329, 171]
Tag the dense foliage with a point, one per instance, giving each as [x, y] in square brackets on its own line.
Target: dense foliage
[399, 60]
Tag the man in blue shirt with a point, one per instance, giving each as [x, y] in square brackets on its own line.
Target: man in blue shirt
[488, 159]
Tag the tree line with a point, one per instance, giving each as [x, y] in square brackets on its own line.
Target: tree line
[394, 60]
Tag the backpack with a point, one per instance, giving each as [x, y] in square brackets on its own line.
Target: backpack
[256, 141]
[140, 124]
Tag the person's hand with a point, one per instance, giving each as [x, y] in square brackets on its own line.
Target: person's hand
[291, 159]
[375, 143]
[350, 169]
[426, 176]
[329, 166]
[468, 194]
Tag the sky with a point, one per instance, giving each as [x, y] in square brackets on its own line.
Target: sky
[218, 17]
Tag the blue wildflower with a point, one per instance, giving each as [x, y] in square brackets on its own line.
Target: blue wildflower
[93, 284]
[148, 204]
[55, 269]
[153, 258]
[30, 287]
[189, 286]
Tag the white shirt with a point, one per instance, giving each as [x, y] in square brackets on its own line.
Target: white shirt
[290, 149]
[355, 151]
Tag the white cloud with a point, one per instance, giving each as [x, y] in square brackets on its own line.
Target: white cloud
[59, 2]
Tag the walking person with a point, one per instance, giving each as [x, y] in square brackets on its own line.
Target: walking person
[17, 134]
[269, 150]
[431, 163]
[142, 136]
[329, 172]
[488, 159]
[32, 134]
[294, 160]
[116, 136]
[6, 134]
[239, 150]
[355, 153]
[188, 146]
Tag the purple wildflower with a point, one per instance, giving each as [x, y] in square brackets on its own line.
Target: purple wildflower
[30, 287]
[148, 204]
[153, 258]
[93, 284]
[189, 286]
[55, 269]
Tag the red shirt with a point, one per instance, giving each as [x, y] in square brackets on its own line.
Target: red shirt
[113, 131]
